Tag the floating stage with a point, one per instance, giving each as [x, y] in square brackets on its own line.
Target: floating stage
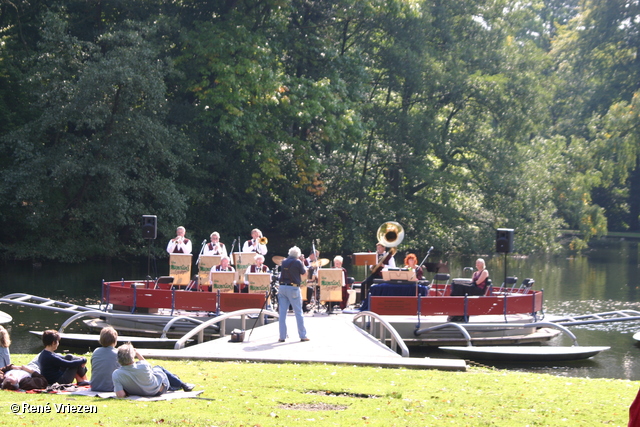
[333, 339]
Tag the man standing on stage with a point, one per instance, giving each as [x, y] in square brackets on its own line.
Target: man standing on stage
[179, 244]
[254, 244]
[215, 247]
[289, 293]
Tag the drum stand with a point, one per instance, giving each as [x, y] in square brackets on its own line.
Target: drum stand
[273, 289]
[314, 305]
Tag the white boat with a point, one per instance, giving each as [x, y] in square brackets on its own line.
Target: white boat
[92, 340]
[5, 318]
[524, 353]
[418, 312]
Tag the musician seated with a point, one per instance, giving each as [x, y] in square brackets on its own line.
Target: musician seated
[411, 262]
[311, 263]
[258, 267]
[479, 282]
[387, 260]
[224, 265]
[346, 284]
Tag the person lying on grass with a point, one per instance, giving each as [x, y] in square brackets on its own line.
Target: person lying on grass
[140, 379]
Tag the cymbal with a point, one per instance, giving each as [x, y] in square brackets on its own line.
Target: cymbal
[277, 260]
[321, 261]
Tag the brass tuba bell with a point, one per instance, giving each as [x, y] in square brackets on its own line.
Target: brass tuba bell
[390, 234]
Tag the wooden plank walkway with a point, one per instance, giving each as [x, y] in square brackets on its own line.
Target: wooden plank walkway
[333, 339]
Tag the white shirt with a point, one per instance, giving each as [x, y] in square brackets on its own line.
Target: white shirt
[251, 246]
[183, 244]
[218, 249]
[391, 263]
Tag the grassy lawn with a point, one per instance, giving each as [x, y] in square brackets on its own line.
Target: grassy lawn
[255, 394]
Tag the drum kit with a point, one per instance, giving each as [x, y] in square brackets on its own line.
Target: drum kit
[312, 303]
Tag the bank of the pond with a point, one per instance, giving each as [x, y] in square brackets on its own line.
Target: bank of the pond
[252, 394]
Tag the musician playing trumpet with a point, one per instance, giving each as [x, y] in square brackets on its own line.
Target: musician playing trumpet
[256, 244]
[215, 247]
[180, 244]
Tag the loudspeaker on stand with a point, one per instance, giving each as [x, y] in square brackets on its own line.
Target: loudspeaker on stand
[504, 240]
[149, 226]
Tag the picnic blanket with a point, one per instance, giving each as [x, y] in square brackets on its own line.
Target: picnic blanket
[170, 395]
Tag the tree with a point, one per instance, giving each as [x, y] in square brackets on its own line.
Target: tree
[98, 156]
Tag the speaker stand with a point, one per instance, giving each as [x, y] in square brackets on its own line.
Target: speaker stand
[505, 269]
[149, 259]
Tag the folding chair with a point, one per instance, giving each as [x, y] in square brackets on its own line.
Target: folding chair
[510, 282]
[441, 277]
[488, 288]
[164, 282]
[526, 285]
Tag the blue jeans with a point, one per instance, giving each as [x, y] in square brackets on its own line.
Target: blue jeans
[175, 383]
[290, 295]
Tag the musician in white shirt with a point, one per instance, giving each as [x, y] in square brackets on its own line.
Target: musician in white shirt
[180, 244]
[215, 247]
[254, 244]
[381, 252]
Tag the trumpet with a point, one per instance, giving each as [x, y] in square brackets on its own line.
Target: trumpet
[263, 241]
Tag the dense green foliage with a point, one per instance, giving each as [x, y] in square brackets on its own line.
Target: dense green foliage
[316, 119]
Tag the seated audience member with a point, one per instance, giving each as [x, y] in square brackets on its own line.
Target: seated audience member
[140, 379]
[57, 368]
[5, 342]
[104, 360]
[21, 378]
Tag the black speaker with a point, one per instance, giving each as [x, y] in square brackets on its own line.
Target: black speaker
[504, 240]
[149, 226]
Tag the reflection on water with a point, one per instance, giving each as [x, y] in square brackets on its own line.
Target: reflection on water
[606, 279]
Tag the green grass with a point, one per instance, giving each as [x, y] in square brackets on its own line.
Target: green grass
[255, 394]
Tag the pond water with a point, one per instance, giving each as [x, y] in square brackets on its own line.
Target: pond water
[605, 279]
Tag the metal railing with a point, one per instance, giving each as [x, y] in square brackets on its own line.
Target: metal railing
[221, 321]
[382, 330]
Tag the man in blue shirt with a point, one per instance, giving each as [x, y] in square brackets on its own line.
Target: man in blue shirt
[289, 293]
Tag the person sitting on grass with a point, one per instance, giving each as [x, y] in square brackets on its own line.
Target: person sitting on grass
[140, 379]
[57, 368]
[104, 360]
[5, 342]
[21, 378]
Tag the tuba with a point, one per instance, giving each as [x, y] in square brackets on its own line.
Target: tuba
[390, 234]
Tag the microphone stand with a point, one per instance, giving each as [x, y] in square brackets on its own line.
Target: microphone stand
[417, 286]
[201, 250]
[231, 253]
[197, 281]
[425, 258]
[316, 290]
